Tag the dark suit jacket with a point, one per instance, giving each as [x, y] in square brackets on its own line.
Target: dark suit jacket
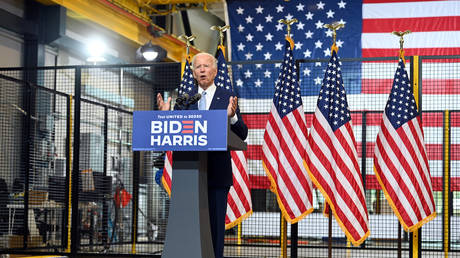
[219, 162]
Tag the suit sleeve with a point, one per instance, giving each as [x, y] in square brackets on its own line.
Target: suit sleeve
[240, 128]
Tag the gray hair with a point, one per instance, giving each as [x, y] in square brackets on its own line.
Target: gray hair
[214, 63]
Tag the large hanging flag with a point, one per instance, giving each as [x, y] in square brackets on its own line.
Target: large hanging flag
[284, 145]
[187, 86]
[256, 36]
[332, 158]
[400, 159]
[239, 204]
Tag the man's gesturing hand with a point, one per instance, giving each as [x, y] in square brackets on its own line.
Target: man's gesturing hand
[232, 105]
[162, 105]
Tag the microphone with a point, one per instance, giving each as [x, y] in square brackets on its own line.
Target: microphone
[194, 99]
[181, 101]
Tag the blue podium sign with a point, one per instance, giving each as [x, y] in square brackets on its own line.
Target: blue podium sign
[184, 130]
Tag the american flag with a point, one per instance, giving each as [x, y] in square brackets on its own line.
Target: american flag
[284, 145]
[187, 85]
[255, 36]
[239, 204]
[332, 157]
[400, 160]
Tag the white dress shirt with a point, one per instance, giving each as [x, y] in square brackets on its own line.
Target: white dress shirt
[210, 91]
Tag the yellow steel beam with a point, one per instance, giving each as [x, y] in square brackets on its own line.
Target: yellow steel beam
[415, 80]
[283, 237]
[69, 165]
[125, 23]
[416, 84]
[446, 182]
[155, 2]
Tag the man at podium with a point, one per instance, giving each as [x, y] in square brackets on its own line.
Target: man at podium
[220, 176]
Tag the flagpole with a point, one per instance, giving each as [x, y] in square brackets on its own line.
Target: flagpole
[329, 232]
[399, 241]
[187, 39]
[334, 27]
[401, 34]
[288, 28]
[229, 35]
[221, 30]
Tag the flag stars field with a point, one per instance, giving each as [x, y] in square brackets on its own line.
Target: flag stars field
[254, 20]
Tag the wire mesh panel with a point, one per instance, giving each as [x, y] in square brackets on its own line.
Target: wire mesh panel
[433, 123]
[440, 89]
[11, 127]
[122, 205]
[454, 215]
[34, 217]
[48, 167]
[368, 85]
[154, 201]
[112, 94]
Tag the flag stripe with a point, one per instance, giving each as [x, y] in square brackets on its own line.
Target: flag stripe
[395, 1]
[357, 102]
[444, 39]
[410, 51]
[430, 119]
[429, 86]
[407, 9]
[417, 24]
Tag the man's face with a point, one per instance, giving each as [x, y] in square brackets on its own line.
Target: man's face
[204, 71]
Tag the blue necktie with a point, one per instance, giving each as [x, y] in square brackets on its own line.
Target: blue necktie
[202, 103]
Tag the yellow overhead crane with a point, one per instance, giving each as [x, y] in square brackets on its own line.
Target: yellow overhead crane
[131, 19]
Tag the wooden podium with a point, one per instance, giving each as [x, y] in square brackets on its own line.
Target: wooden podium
[188, 232]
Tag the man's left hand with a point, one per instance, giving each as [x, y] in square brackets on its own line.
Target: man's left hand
[232, 105]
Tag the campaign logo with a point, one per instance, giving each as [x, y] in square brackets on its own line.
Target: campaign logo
[184, 130]
[180, 132]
